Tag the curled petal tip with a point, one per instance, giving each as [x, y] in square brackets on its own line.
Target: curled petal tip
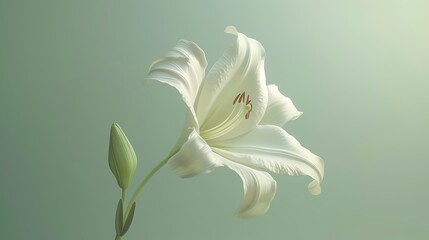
[298, 114]
[231, 30]
[314, 187]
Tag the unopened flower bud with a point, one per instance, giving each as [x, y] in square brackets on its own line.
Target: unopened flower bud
[122, 158]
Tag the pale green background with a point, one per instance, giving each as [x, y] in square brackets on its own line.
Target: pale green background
[68, 69]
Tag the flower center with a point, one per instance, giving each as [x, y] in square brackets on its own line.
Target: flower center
[241, 111]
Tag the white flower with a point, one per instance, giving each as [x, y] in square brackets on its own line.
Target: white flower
[235, 120]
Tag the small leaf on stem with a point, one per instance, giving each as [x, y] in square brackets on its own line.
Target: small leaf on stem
[119, 218]
[129, 219]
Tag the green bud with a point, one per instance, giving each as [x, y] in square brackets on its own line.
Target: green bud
[122, 158]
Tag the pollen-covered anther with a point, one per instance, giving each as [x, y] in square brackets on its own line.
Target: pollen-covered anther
[240, 99]
[242, 96]
[236, 98]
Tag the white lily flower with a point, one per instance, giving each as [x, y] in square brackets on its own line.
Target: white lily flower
[235, 120]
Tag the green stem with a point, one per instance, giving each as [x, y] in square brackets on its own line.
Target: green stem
[118, 237]
[124, 193]
[143, 183]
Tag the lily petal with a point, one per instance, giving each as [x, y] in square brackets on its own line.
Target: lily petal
[194, 157]
[280, 109]
[271, 148]
[259, 190]
[183, 67]
[239, 70]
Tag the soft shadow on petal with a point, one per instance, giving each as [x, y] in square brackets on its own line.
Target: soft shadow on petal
[239, 70]
[271, 148]
[194, 157]
[280, 109]
[259, 190]
[183, 67]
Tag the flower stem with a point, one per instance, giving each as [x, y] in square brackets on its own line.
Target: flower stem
[124, 193]
[143, 183]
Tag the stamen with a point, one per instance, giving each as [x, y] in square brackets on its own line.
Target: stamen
[239, 112]
[222, 123]
[235, 100]
[249, 102]
[243, 95]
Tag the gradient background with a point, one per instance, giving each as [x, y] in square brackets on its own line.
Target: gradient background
[68, 69]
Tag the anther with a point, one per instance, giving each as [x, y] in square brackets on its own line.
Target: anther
[236, 98]
[242, 96]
